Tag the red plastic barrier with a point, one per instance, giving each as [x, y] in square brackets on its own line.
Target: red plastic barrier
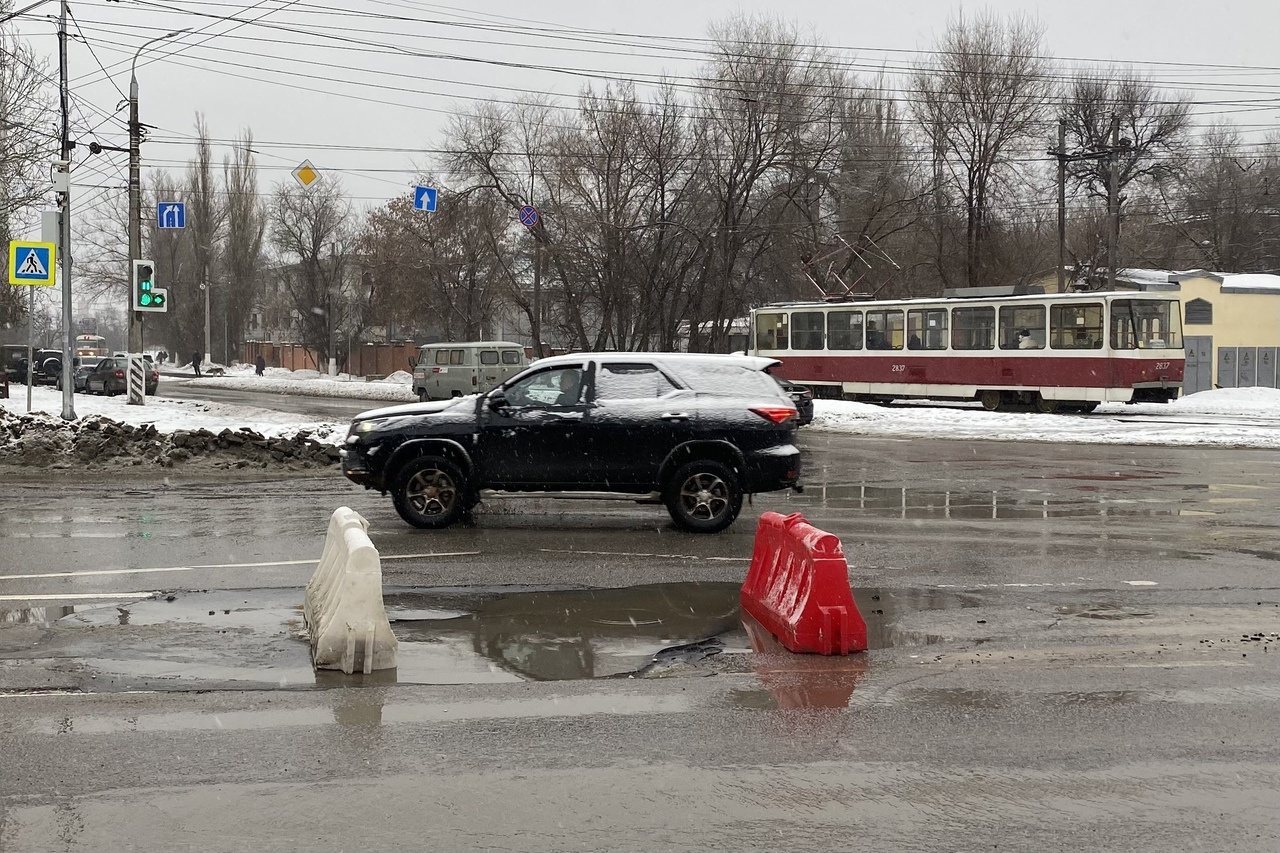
[798, 588]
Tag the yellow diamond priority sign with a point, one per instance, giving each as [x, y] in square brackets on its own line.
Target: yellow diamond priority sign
[306, 174]
[32, 263]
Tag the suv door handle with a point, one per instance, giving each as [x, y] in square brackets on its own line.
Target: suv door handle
[675, 416]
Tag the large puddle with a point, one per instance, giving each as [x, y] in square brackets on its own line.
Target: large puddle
[452, 635]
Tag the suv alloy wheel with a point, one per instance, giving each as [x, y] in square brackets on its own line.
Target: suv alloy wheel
[703, 496]
[430, 492]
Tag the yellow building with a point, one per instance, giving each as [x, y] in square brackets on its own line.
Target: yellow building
[1230, 324]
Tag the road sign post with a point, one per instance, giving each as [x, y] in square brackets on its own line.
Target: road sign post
[424, 198]
[171, 214]
[32, 263]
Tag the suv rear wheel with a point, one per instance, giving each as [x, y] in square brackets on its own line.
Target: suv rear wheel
[430, 492]
[703, 496]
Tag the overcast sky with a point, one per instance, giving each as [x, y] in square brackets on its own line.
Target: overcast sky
[332, 86]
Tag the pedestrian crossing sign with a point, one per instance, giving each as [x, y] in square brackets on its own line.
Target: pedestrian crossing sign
[32, 263]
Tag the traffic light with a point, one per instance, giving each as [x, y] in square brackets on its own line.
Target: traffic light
[146, 296]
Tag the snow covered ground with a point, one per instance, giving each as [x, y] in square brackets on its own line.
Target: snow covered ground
[1232, 417]
[1228, 417]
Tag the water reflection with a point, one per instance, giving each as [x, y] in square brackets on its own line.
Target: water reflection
[802, 681]
[557, 635]
[976, 505]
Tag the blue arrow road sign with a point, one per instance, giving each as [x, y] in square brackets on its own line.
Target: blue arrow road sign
[424, 198]
[171, 214]
[31, 263]
[529, 215]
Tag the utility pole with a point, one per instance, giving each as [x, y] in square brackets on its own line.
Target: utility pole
[68, 333]
[1113, 203]
[1062, 205]
[135, 207]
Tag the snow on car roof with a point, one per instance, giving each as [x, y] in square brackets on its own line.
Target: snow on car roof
[751, 362]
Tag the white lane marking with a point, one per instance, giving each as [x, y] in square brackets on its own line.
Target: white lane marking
[65, 596]
[639, 554]
[93, 572]
[1142, 583]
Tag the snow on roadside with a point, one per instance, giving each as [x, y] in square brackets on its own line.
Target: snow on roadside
[1229, 417]
[396, 388]
[172, 415]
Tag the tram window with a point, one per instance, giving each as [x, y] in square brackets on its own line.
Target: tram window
[927, 328]
[1021, 318]
[844, 330]
[1076, 326]
[771, 331]
[1144, 324]
[807, 329]
[973, 328]
[884, 330]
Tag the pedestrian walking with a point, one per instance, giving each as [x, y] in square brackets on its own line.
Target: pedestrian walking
[261, 365]
[195, 361]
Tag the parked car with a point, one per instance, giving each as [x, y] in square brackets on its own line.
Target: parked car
[695, 432]
[111, 376]
[802, 397]
[449, 370]
[82, 366]
[48, 365]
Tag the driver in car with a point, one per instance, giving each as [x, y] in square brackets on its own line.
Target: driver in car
[570, 388]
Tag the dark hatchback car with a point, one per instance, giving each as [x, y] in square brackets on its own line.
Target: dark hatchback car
[111, 376]
[695, 432]
[802, 397]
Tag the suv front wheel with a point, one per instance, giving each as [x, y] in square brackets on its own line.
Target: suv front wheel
[430, 492]
[703, 496]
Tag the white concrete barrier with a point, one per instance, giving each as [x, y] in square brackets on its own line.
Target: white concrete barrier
[343, 605]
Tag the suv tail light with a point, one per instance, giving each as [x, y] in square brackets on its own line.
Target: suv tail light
[775, 414]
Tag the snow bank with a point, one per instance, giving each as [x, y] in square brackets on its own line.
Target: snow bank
[173, 415]
[1200, 419]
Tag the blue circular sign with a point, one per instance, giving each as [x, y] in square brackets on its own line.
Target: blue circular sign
[529, 215]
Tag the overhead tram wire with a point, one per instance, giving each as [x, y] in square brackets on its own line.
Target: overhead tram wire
[580, 72]
[573, 107]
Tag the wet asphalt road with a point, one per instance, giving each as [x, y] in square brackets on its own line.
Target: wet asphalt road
[1074, 647]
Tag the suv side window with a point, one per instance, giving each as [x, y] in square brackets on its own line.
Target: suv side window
[557, 386]
[619, 381]
[488, 356]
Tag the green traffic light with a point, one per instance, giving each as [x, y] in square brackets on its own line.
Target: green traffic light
[144, 299]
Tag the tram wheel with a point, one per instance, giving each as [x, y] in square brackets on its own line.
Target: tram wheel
[1045, 407]
[991, 400]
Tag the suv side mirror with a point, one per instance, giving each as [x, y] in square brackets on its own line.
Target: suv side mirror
[497, 401]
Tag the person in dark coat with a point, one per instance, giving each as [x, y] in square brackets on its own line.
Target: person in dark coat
[195, 361]
[261, 365]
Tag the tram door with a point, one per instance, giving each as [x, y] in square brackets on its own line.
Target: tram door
[1199, 368]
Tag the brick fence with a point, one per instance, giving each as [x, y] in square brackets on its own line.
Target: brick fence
[364, 360]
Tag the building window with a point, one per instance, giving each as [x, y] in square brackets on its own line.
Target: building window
[1199, 312]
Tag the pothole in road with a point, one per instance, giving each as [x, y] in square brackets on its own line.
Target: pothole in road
[450, 635]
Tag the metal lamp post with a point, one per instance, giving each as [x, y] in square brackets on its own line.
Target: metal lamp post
[135, 185]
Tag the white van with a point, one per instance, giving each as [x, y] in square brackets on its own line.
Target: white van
[457, 369]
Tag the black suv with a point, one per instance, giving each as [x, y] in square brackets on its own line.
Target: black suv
[694, 431]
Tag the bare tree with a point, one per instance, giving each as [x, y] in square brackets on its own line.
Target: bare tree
[246, 222]
[436, 270]
[311, 228]
[27, 144]
[768, 128]
[204, 227]
[983, 97]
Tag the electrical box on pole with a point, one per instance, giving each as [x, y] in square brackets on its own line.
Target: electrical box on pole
[146, 296]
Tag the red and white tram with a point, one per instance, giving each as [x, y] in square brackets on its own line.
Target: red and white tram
[1056, 352]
